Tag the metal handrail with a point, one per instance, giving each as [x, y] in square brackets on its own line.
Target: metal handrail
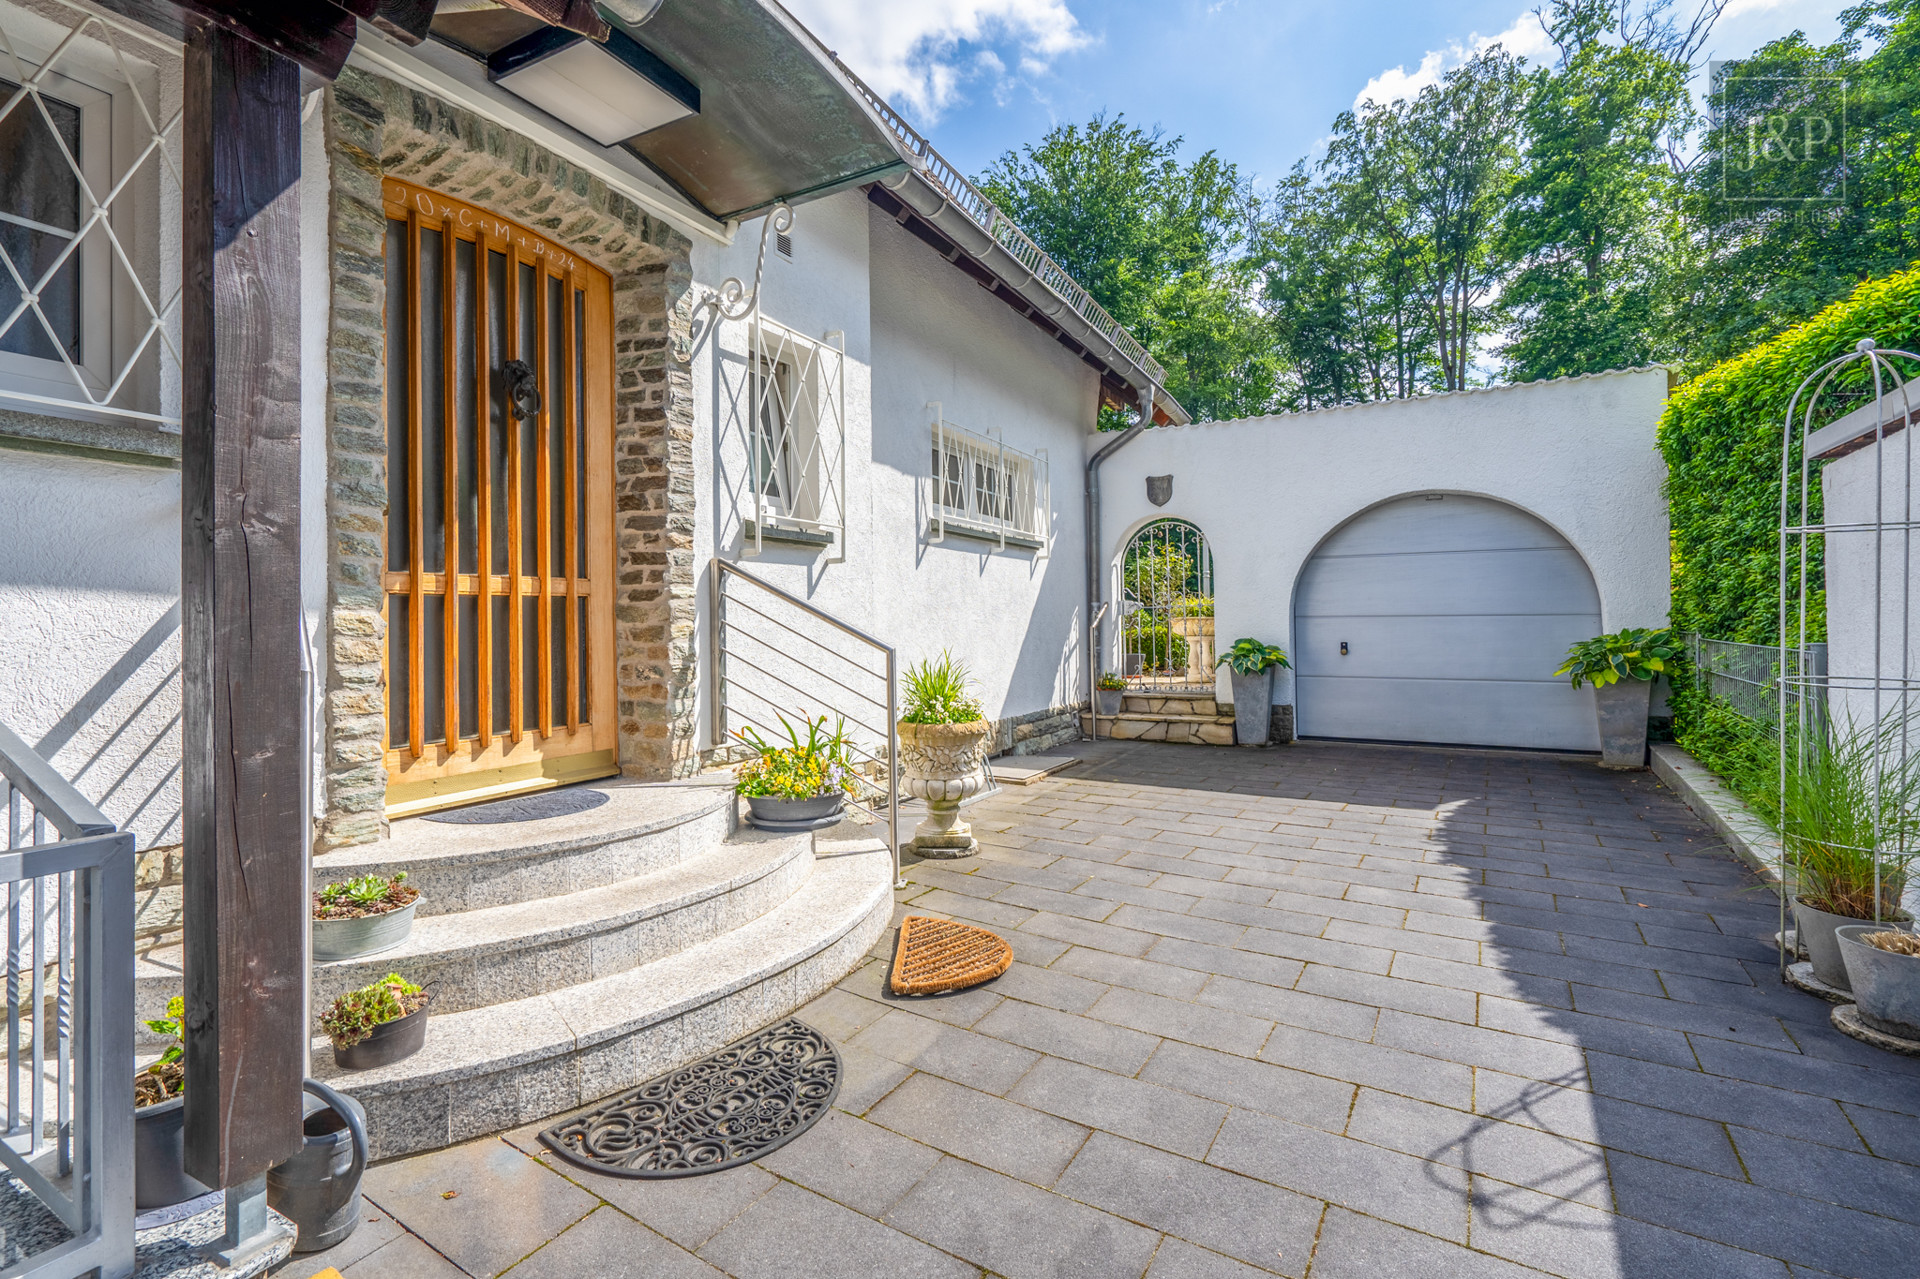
[69, 942]
[716, 620]
[1005, 232]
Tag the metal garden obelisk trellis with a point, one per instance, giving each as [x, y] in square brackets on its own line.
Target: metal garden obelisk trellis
[1871, 677]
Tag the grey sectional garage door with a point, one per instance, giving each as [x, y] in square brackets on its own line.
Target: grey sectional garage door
[1455, 612]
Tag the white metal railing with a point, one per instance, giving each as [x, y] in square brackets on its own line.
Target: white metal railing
[69, 1031]
[977, 485]
[1005, 232]
[775, 657]
[794, 429]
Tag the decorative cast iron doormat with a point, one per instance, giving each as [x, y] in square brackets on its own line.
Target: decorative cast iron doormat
[938, 955]
[524, 808]
[730, 1107]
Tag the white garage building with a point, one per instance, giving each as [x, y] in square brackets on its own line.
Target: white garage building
[1425, 563]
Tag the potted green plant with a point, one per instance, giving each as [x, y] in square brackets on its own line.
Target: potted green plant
[1251, 663]
[1193, 622]
[160, 1177]
[362, 916]
[378, 1024]
[1110, 694]
[943, 752]
[1849, 821]
[1622, 667]
[1883, 970]
[802, 785]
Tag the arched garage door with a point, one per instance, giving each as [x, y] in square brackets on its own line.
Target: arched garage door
[1454, 612]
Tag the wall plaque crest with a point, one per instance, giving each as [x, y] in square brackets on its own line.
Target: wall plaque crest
[1159, 489]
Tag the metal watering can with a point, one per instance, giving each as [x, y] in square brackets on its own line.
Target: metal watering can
[319, 1188]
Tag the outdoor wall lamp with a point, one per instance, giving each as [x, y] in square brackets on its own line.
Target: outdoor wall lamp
[610, 92]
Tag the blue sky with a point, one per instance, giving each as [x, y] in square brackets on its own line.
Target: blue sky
[1260, 81]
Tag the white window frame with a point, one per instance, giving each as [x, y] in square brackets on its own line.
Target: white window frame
[796, 418]
[978, 487]
[107, 70]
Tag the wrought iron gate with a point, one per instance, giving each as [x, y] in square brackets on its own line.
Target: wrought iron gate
[1166, 607]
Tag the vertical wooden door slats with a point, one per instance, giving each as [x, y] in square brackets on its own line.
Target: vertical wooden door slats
[506, 661]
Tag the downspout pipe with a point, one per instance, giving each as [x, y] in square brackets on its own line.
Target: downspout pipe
[1096, 580]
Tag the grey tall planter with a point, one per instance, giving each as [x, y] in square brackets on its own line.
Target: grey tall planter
[1886, 986]
[1253, 708]
[1622, 707]
[1819, 930]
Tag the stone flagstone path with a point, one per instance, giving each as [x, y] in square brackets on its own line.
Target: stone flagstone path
[1344, 1012]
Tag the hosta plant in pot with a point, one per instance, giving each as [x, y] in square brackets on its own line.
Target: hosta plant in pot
[1110, 694]
[1252, 664]
[1622, 667]
[364, 915]
[802, 785]
[377, 1024]
[1848, 817]
[943, 753]
[159, 1150]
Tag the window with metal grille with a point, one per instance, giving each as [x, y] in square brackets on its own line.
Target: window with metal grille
[980, 486]
[795, 421]
[89, 218]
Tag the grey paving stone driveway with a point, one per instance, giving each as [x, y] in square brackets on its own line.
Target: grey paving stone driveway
[1343, 1012]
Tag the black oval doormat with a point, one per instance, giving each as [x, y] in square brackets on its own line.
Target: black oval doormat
[753, 1096]
[525, 808]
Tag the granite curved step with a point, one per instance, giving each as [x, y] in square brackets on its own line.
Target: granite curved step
[502, 953]
[643, 827]
[496, 1067]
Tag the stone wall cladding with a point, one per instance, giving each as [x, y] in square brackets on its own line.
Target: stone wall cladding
[1036, 731]
[377, 128]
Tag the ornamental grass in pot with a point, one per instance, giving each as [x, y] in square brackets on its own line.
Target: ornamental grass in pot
[1849, 819]
[1252, 663]
[378, 1024]
[802, 785]
[362, 916]
[1883, 968]
[160, 1177]
[1622, 667]
[943, 753]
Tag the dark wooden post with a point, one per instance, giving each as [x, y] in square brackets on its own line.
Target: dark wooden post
[246, 849]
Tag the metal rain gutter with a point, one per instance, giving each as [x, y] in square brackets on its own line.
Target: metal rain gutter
[1096, 602]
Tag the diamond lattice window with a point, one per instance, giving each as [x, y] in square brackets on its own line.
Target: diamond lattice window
[89, 216]
[794, 394]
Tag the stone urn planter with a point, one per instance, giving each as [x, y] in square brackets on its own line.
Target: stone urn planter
[1818, 929]
[1252, 707]
[944, 764]
[1885, 984]
[1198, 633]
[1622, 710]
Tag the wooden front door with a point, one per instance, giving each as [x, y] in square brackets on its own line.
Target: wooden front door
[499, 533]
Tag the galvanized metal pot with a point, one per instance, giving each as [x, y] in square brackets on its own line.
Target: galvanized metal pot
[769, 812]
[1253, 708]
[1622, 710]
[1817, 930]
[319, 1188]
[368, 935]
[1109, 701]
[1886, 986]
[159, 1157]
[389, 1042]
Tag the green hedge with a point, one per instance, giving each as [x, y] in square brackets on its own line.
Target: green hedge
[1720, 435]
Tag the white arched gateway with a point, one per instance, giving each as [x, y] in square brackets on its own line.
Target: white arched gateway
[1440, 617]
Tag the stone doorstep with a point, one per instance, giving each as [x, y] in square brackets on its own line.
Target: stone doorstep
[1150, 704]
[502, 953]
[1192, 730]
[489, 1069]
[459, 868]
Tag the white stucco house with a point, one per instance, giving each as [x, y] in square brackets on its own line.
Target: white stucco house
[562, 353]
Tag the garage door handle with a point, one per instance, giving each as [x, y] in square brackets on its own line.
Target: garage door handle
[1343, 648]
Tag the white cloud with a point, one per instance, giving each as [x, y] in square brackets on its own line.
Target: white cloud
[1524, 37]
[915, 54]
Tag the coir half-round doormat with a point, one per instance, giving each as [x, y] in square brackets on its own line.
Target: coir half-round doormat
[729, 1108]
